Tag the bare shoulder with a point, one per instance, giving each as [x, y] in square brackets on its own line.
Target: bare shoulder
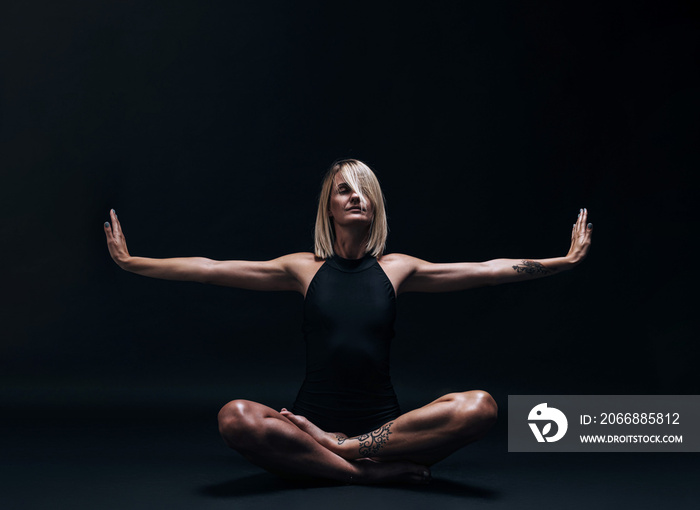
[301, 262]
[302, 257]
[394, 258]
[400, 260]
[399, 268]
[302, 267]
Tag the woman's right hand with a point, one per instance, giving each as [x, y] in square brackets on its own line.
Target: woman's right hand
[116, 243]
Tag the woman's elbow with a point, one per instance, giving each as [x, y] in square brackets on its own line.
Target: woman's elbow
[488, 274]
[207, 271]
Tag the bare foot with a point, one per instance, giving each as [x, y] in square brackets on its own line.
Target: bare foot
[330, 440]
[372, 472]
[369, 471]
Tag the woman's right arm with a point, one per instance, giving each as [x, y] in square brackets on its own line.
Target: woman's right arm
[277, 274]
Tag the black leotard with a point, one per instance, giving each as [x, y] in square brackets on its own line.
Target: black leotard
[349, 314]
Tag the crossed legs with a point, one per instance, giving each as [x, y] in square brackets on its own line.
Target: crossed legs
[399, 451]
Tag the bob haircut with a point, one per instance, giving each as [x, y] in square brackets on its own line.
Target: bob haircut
[362, 181]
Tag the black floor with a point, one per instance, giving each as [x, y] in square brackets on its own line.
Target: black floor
[169, 457]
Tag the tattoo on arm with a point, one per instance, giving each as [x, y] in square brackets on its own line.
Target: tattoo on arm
[531, 267]
[371, 443]
[341, 439]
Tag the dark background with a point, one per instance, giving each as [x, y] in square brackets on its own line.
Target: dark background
[208, 127]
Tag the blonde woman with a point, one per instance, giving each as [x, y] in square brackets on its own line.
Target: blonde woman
[346, 424]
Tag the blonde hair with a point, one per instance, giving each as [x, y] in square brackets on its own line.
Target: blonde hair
[362, 181]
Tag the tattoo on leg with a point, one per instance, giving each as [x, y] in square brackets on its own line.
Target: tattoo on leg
[340, 439]
[532, 267]
[371, 443]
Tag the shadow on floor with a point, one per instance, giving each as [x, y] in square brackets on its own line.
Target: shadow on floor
[266, 483]
[262, 483]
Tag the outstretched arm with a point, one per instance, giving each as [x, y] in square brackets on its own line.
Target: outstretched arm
[423, 276]
[277, 274]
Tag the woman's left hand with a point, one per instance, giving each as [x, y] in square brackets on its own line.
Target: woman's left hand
[580, 238]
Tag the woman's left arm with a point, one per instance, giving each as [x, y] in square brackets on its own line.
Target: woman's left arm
[426, 277]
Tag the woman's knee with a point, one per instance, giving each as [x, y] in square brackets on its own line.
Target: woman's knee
[486, 406]
[239, 422]
[477, 409]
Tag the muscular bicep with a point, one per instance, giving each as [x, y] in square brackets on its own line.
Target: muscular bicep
[428, 277]
[270, 275]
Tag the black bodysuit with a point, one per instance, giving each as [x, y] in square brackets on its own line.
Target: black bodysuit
[349, 314]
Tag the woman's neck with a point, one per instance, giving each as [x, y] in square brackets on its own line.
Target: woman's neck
[350, 243]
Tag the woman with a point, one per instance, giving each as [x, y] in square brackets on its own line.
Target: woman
[346, 424]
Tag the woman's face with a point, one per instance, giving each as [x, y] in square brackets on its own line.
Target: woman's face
[345, 207]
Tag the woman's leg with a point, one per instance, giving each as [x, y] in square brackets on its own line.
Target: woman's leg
[424, 436]
[273, 442]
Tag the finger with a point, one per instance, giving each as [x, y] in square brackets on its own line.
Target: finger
[583, 214]
[108, 230]
[586, 226]
[115, 222]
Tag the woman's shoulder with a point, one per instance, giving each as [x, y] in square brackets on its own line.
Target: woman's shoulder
[303, 266]
[399, 267]
[302, 257]
[404, 264]
[397, 259]
[301, 261]
[391, 257]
